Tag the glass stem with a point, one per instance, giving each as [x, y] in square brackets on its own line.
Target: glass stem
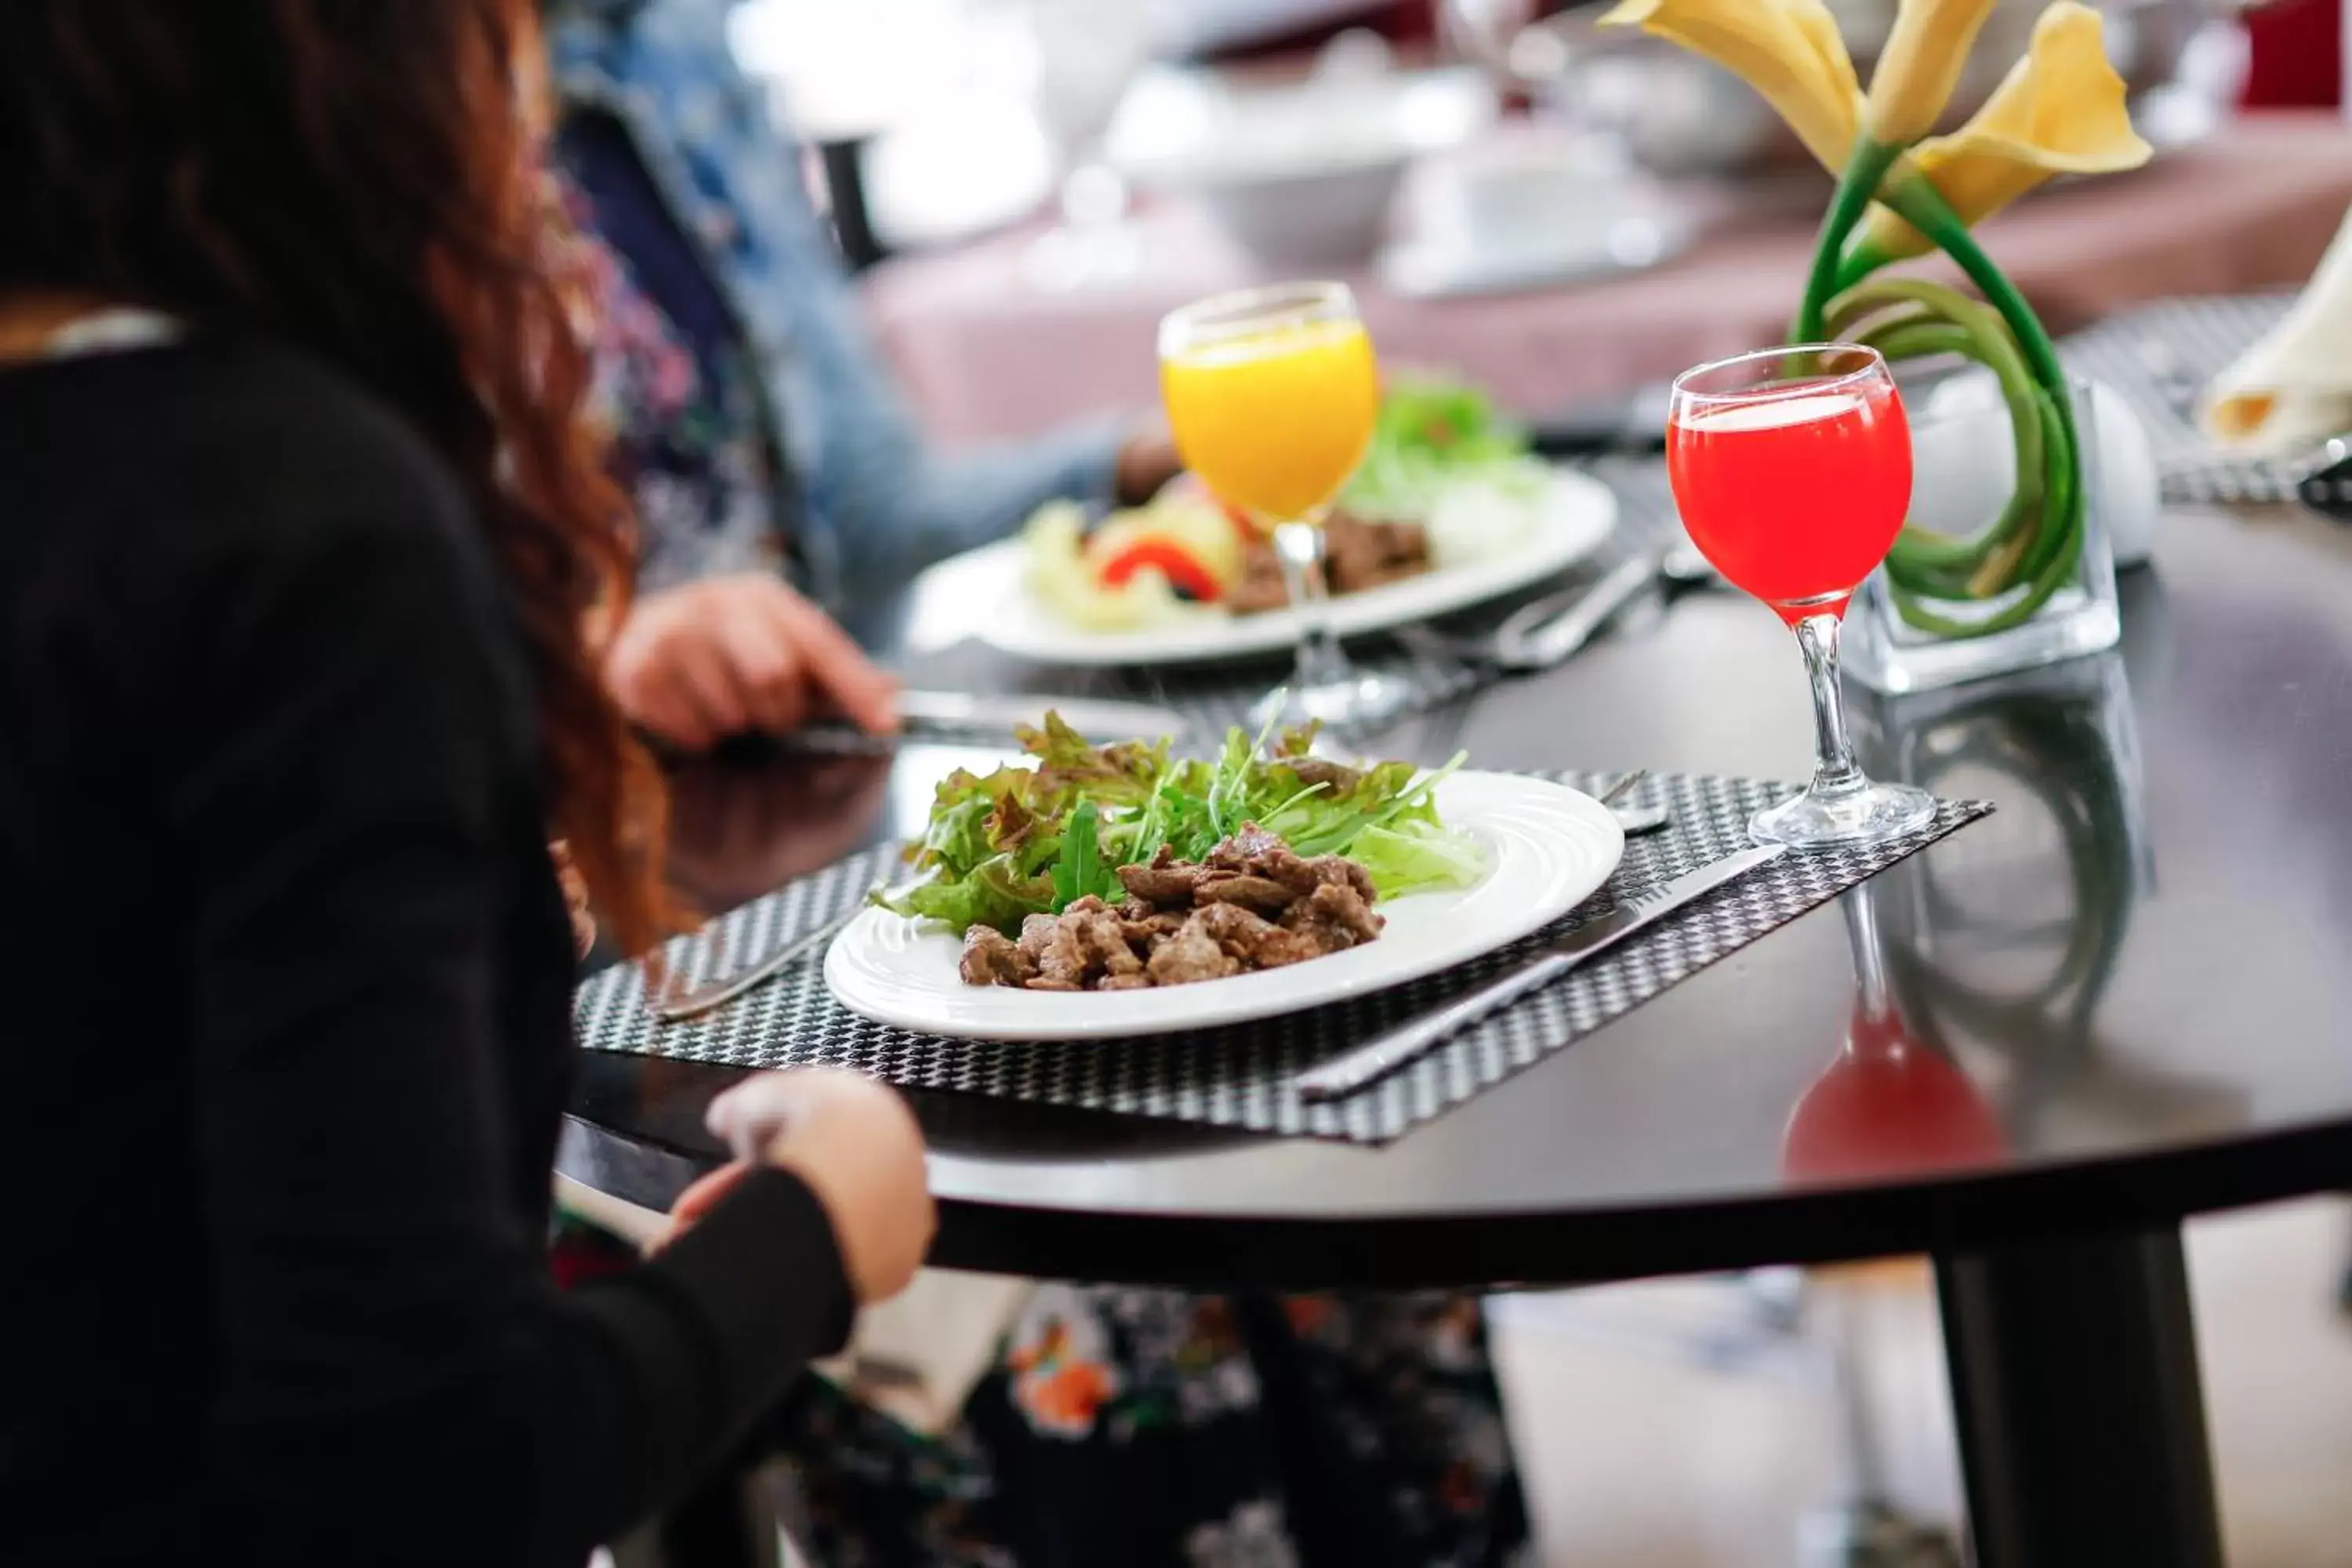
[1869, 950]
[1835, 772]
[1300, 547]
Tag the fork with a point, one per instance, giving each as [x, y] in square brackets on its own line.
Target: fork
[676, 1007]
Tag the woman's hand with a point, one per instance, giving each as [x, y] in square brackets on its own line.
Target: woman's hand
[857, 1147]
[734, 655]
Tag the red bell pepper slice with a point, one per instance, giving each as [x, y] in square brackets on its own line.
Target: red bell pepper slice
[1183, 571]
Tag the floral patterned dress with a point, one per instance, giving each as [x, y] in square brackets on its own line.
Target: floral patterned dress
[1143, 1429]
[1160, 1429]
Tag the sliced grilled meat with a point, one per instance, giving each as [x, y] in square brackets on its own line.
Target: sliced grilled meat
[990, 959]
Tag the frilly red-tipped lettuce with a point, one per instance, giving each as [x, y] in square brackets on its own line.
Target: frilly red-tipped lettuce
[1033, 840]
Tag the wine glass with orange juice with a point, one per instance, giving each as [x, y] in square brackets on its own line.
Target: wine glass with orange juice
[1272, 393]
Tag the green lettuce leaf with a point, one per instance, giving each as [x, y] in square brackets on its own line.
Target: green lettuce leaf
[993, 893]
[1069, 765]
[1416, 856]
[1432, 434]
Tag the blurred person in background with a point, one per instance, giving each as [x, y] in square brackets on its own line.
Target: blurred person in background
[305, 532]
[780, 484]
[761, 441]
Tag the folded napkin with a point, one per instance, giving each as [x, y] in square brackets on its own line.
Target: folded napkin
[2293, 389]
[915, 1358]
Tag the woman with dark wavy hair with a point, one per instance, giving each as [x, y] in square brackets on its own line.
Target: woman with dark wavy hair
[303, 542]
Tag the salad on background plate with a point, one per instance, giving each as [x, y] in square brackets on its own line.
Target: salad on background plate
[1447, 482]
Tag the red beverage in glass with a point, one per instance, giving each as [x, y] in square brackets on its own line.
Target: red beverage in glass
[1795, 496]
[1793, 469]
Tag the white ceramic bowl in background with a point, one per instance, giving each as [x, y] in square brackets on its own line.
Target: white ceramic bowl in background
[1301, 174]
[1332, 218]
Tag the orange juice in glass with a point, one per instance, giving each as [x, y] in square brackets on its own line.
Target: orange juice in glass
[1272, 393]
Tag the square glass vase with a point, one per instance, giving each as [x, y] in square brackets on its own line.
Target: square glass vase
[1963, 477]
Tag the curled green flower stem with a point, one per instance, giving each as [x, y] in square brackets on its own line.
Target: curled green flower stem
[1857, 264]
[2010, 555]
[1935, 298]
[2064, 483]
[1869, 324]
[1928, 562]
[2056, 549]
[1924, 206]
[1912, 318]
[1998, 550]
[1864, 168]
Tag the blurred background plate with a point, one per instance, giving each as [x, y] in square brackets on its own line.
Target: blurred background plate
[1570, 519]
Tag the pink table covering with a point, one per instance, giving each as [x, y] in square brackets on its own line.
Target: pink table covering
[983, 352]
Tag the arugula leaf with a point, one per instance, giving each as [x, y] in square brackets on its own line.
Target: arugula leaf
[1079, 870]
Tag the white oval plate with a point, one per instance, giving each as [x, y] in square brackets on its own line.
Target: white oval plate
[1570, 519]
[1550, 846]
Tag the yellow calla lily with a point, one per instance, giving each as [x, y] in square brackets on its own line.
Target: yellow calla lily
[1920, 66]
[1788, 50]
[2060, 110]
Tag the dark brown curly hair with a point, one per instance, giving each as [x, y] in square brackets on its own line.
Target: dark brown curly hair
[363, 178]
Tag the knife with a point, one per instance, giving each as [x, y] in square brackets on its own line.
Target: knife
[1543, 635]
[962, 715]
[1383, 1054]
[1098, 720]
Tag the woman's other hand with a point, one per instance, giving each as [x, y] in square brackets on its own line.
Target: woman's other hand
[741, 654]
[854, 1142]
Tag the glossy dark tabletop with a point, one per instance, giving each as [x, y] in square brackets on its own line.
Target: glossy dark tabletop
[2137, 965]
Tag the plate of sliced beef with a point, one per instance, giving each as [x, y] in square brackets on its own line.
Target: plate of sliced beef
[1251, 930]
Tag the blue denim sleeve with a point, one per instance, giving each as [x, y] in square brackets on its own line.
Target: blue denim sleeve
[883, 502]
[893, 501]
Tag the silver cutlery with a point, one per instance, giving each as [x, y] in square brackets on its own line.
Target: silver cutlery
[954, 716]
[1383, 1054]
[1097, 718]
[674, 1005]
[2178, 386]
[1546, 631]
[1632, 820]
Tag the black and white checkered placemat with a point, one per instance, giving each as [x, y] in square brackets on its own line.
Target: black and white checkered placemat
[2157, 358]
[1240, 1076]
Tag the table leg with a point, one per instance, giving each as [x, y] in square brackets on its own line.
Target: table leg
[2080, 1421]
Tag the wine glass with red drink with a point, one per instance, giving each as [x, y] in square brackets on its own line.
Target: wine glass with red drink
[1792, 471]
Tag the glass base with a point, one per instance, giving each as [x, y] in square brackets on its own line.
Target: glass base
[1356, 701]
[1868, 814]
